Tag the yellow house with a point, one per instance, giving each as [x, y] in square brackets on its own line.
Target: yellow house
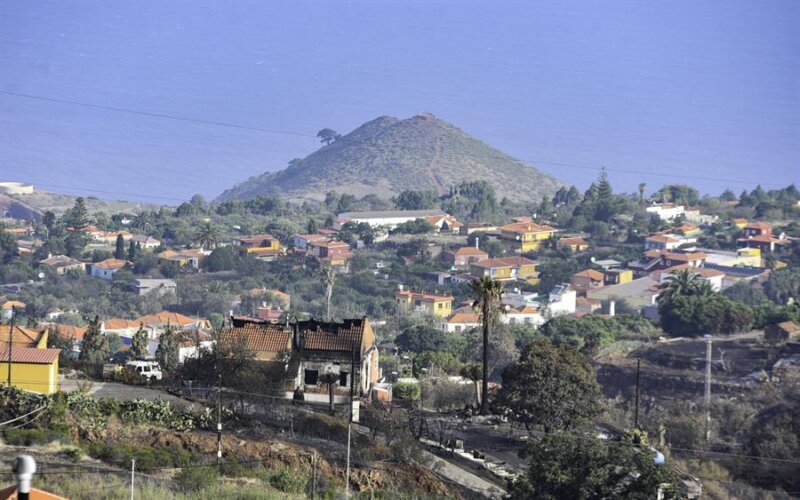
[740, 223]
[507, 268]
[409, 302]
[575, 244]
[22, 337]
[618, 276]
[260, 245]
[529, 235]
[32, 369]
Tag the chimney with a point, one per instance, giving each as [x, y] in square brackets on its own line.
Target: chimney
[612, 306]
[24, 469]
[477, 243]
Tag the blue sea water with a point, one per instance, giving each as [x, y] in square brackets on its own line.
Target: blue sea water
[705, 93]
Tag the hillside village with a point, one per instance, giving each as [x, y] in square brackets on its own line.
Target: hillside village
[382, 304]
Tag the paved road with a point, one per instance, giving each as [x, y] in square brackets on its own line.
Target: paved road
[119, 391]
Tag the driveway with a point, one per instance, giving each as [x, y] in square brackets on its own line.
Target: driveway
[120, 392]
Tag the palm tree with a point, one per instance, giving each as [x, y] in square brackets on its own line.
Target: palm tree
[140, 220]
[207, 235]
[487, 293]
[681, 283]
[328, 279]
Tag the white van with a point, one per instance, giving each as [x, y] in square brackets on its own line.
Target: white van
[148, 370]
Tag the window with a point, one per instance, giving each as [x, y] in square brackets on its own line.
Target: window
[311, 377]
[441, 305]
[343, 379]
[512, 321]
[458, 329]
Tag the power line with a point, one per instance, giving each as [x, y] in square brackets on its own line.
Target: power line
[156, 115]
[345, 139]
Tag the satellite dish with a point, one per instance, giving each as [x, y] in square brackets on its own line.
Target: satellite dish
[41, 275]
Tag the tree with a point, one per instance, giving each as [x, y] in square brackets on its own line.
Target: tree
[133, 250]
[312, 227]
[283, 229]
[167, 351]
[330, 379]
[328, 136]
[328, 279]
[8, 246]
[119, 252]
[78, 216]
[207, 236]
[583, 466]
[49, 221]
[473, 372]
[220, 259]
[95, 349]
[139, 343]
[642, 187]
[141, 220]
[552, 386]
[487, 293]
[727, 195]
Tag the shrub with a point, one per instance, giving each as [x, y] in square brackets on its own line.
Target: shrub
[288, 482]
[29, 437]
[193, 479]
[406, 390]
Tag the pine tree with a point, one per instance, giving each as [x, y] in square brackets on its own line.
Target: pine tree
[95, 348]
[119, 252]
[167, 352]
[312, 227]
[139, 343]
[133, 250]
[78, 217]
[604, 204]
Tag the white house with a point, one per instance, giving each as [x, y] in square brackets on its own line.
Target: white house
[389, 218]
[562, 300]
[108, 268]
[667, 211]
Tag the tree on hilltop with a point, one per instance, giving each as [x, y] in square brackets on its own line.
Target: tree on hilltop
[328, 135]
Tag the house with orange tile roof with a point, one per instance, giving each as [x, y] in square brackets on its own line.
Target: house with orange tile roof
[462, 257]
[267, 341]
[264, 246]
[62, 264]
[13, 493]
[461, 320]
[332, 253]
[759, 235]
[193, 257]
[301, 241]
[526, 236]
[409, 302]
[22, 337]
[587, 279]
[9, 307]
[781, 332]
[444, 223]
[106, 269]
[507, 269]
[575, 244]
[655, 260]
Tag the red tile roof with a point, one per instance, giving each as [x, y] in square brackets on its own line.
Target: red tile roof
[469, 251]
[504, 262]
[19, 336]
[590, 273]
[261, 337]
[110, 264]
[29, 355]
[327, 336]
[424, 295]
[526, 227]
[759, 225]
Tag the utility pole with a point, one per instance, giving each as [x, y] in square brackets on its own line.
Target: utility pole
[314, 476]
[10, 342]
[636, 410]
[350, 422]
[219, 425]
[133, 474]
[708, 389]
